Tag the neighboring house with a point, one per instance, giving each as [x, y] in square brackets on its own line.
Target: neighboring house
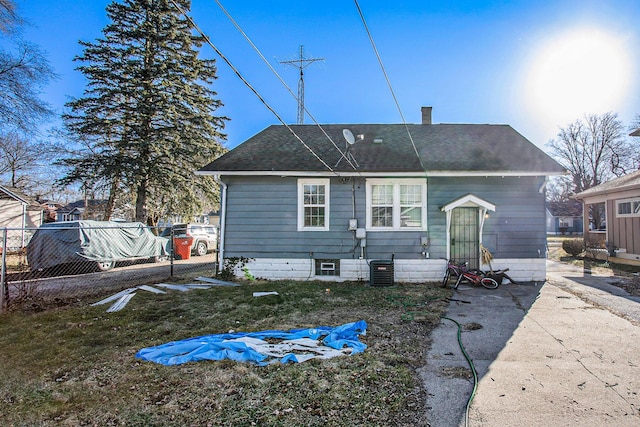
[325, 202]
[564, 217]
[69, 213]
[20, 215]
[77, 211]
[210, 218]
[213, 218]
[618, 202]
[50, 209]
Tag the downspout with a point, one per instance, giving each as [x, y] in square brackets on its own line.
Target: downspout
[24, 226]
[544, 184]
[223, 220]
[483, 216]
[542, 190]
[448, 214]
[353, 215]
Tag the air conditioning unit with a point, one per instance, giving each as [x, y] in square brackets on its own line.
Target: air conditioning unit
[381, 273]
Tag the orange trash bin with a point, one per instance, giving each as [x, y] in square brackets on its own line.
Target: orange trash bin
[182, 247]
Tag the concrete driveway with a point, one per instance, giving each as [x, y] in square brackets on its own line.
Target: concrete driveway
[564, 352]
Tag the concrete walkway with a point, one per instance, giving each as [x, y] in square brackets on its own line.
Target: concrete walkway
[562, 353]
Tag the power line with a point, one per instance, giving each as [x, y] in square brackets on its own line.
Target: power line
[259, 53]
[241, 77]
[301, 63]
[375, 49]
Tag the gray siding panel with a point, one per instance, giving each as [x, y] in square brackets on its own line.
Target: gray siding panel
[261, 219]
[517, 228]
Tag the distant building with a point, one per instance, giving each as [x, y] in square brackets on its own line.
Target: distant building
[619, 230]
[78, 211]
[564, 217]
[20, 215]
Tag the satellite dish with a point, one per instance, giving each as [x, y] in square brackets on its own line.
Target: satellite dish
[348, 136]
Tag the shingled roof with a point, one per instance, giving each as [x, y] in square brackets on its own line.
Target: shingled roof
[445, 148]
[565, 208]
[630, 181]
[12, 193]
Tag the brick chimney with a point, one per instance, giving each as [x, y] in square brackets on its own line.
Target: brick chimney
[426, 115]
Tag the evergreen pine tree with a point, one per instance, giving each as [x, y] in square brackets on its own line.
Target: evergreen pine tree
[146, 121]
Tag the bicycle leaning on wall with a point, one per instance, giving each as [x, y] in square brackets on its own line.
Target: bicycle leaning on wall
[462, 273]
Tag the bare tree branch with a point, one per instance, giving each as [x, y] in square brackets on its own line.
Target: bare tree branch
[594, 150]
[21, 76]
[9, 19]
[22, 161]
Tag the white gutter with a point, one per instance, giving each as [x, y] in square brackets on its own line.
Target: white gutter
[223, 219]
[382, 174]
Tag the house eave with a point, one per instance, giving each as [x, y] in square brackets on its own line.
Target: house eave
[14, 196]
[381, 174]
[610, 191]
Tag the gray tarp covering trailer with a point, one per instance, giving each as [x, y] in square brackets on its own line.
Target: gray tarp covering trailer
[101, 242]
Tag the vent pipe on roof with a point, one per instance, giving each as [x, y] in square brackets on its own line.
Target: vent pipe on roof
[426, 115]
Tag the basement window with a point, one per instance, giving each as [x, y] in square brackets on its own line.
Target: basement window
[327, 267]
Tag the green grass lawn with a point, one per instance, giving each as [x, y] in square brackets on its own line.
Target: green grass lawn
[75, 365]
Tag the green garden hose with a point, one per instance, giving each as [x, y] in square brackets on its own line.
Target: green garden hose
[409, 315]
[473, 370]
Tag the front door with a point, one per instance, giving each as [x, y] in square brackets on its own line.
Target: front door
[465, 245]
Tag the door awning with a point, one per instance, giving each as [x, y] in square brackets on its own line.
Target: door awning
[468, 201]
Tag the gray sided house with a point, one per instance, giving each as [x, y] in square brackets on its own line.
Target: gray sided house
[564, 217]
[89, 209]
[310, 202]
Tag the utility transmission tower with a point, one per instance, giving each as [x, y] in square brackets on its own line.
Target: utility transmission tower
[301, 63]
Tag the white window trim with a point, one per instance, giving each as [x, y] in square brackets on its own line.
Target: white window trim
[565, 221]
[631, 201]
[396, 203]
[327, 195]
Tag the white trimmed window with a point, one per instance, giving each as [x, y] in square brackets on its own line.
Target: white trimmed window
[628, 207]
[565, 222]
[399, 204]
[313, 205]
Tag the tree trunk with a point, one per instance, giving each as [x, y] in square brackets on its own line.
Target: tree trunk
[111, 202]
[141, 202]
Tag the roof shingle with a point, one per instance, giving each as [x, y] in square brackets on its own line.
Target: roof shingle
[625, 182]
[442, 147]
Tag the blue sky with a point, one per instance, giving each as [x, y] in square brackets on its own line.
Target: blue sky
[536, 65]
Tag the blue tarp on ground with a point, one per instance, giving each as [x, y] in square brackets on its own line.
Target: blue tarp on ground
[296, 345]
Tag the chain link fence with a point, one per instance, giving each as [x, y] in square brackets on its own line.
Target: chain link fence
[83, 261]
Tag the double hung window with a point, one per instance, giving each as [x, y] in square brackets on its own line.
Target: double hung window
[399, 204]
[313, 205]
